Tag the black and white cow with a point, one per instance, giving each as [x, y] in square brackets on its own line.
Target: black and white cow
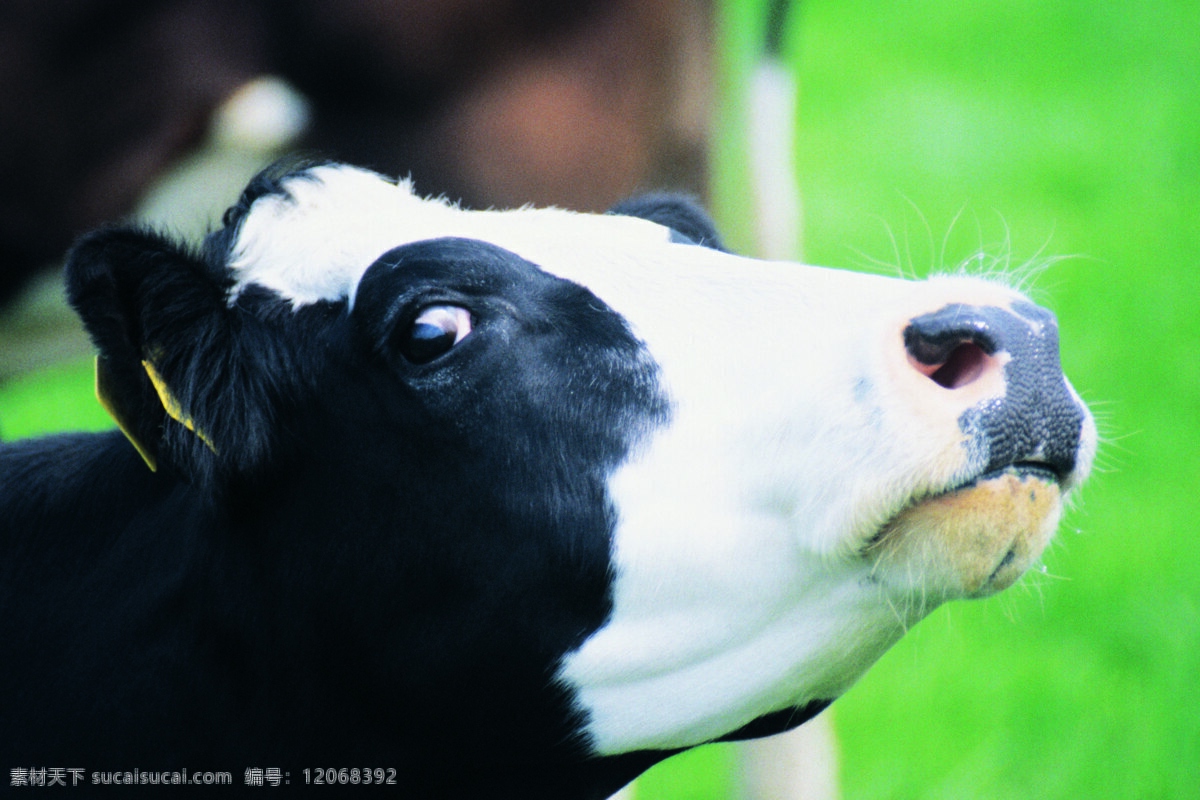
[518, 502]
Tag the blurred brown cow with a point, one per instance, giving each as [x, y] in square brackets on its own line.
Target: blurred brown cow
[494, 102]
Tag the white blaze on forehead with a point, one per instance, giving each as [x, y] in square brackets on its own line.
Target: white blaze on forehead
[315, 242]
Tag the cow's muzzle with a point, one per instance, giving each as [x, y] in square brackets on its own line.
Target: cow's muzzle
[1024, 430]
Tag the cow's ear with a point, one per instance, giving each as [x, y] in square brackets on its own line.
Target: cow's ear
[682, 215]
[173, 367]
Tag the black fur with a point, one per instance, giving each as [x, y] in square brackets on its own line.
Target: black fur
[376, 563]
[143, 297]
[681, 215]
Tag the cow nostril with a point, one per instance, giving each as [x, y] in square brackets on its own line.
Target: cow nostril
[960, 367]
[953, 347]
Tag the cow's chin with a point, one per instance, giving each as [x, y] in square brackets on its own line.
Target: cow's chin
[972, 541]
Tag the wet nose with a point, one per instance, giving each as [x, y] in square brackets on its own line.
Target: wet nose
[1037, 420]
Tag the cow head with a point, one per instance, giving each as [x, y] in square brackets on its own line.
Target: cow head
[691, 495]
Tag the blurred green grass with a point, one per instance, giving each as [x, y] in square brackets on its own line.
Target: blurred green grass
[926, 132]
[50, 400]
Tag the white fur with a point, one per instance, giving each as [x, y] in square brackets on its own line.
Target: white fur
[317, 243]
[798, 430]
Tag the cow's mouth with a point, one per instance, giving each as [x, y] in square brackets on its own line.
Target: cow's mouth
[1022, 469]
[974, 539]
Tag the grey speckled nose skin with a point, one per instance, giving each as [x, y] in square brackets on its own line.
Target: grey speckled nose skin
[1038, 421]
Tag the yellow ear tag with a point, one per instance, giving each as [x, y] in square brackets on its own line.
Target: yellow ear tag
[171, 405]
[107, 398]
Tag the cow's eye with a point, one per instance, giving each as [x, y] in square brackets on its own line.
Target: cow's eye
[435, 330]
